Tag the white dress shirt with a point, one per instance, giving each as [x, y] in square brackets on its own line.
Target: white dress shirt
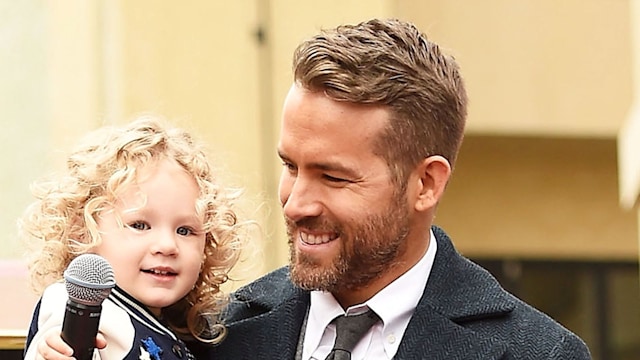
[394, 304]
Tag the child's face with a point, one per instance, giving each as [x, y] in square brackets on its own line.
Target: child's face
[156, 255]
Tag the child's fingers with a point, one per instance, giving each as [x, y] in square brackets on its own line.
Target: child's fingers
[101, 342]
[54, 348]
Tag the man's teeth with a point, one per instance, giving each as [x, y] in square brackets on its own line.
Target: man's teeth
[314, 239]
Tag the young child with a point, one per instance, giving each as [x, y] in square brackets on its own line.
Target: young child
[144, 197]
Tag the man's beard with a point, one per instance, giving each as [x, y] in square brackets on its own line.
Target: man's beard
[367, 249]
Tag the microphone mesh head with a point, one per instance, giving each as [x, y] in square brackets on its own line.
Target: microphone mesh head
[89, 279]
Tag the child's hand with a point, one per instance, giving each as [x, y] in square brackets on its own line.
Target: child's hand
[54, 348]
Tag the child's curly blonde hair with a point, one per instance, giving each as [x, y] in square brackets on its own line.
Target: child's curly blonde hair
[61, 223]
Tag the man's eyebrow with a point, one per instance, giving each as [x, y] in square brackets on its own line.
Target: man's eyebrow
[343, 171]
[326, 166]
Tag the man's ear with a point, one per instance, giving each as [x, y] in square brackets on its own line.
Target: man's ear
[433, 175]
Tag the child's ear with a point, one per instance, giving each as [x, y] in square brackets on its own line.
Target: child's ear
[433, 175]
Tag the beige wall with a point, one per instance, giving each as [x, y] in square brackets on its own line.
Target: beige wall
[629, 133]
[545, 67]
[552, 80]
[25, 144]
[538, 198]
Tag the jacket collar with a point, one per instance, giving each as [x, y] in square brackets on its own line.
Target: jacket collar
[264, 324]
[457, 291]
[460, 290]
[272, 310]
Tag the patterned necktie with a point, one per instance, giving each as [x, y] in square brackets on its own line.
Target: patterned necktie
[349, 330]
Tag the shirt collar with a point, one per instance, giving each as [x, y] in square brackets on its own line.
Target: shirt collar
[395, 311]
[396, 303]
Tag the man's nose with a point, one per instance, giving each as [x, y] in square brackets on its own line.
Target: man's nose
[302, 200]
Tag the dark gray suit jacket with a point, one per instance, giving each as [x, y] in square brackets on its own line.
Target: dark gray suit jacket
[463, 314]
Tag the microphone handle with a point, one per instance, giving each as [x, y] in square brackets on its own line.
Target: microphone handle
[80, 327]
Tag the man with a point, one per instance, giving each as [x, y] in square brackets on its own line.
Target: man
[370, 132]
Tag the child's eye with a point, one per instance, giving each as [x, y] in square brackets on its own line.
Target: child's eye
[184, 231]
[139, 225]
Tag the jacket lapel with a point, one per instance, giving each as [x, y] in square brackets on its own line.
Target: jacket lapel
[457, 291]
[433, 336]
[264, 325]
[267, 315]
[272, 335]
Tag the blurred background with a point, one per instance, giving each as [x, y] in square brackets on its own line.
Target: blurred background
[545, 190]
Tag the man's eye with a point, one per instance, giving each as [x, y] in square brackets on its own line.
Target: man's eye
[289, 166]
[184, 231]
[335, 179]
[139, 225]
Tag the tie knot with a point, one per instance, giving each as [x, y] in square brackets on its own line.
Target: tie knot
[350, 329]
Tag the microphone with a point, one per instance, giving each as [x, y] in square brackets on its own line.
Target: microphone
[88, 279]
